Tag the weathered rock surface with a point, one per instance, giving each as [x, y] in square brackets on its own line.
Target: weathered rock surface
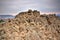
[31, 25]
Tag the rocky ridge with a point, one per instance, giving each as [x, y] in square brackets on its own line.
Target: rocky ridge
[31, 25]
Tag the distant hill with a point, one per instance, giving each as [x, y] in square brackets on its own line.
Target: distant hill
[6, 16]
[58, 15]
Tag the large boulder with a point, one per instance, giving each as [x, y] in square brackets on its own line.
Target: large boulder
[31, 25]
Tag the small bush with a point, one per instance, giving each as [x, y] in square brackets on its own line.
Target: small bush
[1, 21]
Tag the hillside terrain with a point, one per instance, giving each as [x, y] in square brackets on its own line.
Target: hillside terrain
[30, 25]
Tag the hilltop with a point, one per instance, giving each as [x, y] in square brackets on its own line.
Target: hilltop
[30, 25]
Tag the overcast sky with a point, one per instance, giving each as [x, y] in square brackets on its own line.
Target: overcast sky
[15, 6]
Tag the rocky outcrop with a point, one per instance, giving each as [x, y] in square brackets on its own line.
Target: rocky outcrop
[31, 25]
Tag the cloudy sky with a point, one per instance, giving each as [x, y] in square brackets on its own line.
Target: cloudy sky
[14, 6]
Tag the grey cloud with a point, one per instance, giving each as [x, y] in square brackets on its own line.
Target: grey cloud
[14, 6]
